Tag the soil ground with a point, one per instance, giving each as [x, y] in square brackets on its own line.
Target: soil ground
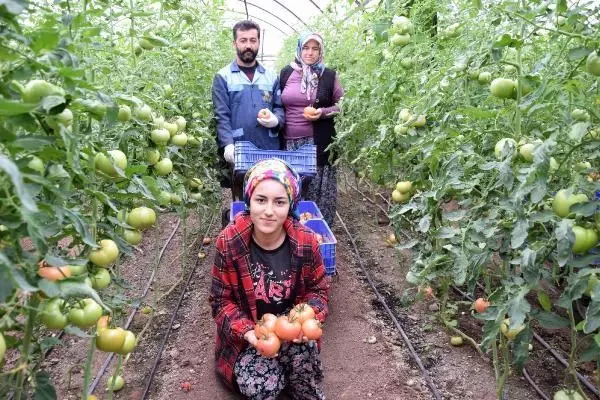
[363, 355]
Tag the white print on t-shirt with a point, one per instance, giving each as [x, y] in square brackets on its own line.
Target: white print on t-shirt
[271, 290]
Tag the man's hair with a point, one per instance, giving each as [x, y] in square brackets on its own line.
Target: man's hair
[245, 25]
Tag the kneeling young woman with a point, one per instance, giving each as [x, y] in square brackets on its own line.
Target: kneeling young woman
[267, 262]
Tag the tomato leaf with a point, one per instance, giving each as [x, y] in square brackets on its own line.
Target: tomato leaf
[10, 107]
[592, 352]
[579, 130]
[585, 209]
[424, 223]
[14, 7]
[519, 307]
[15, 176]
[565, 238]
[82, 228]
[550, 320]
[592, 317]
[531, 272]
[50, 102]
[447, 232]
[44, 390]
[519, 234]
[32, 143]
[544, 300]
[15, 275]
[6, 284]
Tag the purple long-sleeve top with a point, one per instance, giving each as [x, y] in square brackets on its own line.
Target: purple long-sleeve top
[294, 102]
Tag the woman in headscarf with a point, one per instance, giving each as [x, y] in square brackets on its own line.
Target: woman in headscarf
[267, 262]
[310, 93]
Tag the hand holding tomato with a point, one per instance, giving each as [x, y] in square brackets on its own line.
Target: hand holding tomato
[312, 114]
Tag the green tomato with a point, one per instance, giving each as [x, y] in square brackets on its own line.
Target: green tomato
[141, 218]
[128, 344]
[526, 151]
[106, 254]
[86, 316]
[145, 44]
[456, 341]
[163, 198]
[100, 279]
[167, 91]
[78, 269]
[407, 62]
[401, 24]
[171, 127]
[176, 199]
[2, 347]
[110, 340]
[52, 316]
[124, 113]
[405, 115]
[65, 117]
[580, 115]
[160, 136]
[143, 113]
[583, 166]
[163, 167]
[37, 89]
[562, 203]
[420, 121]
[186, 43]
[404, 186]
[180, 139]
[195, 183]
[503, 88]
[508, 332]
[107, 164]
[196, 196]
[152, 156]
[503, 144]
[400, 197]
[400, 39]
[194, 141]
[567, 394]
[484, 77]
[585, 239]
[115, 384]
[158, 122]
[36, 164]
[400, 129]
[132, 237]
[592, 64]
[181, 123]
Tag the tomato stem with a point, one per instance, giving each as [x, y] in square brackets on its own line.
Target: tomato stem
[88, 366]
[33, 309]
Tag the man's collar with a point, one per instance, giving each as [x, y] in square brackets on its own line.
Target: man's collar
[236, 68]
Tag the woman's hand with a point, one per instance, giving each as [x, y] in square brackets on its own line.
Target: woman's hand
[315, 116]
[251, 338]
[300, 339]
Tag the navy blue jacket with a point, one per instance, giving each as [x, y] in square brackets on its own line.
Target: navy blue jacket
[237, 101]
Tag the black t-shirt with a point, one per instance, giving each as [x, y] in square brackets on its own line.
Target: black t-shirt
[273, 278]
[249, 71]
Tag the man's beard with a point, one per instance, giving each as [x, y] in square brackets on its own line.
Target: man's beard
[247, 55]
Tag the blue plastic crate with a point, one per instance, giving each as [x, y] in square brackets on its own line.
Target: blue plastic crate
[327, 248]
[303, 206]
[303, 160]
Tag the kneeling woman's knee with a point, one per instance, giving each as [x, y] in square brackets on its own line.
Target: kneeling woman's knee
[258, 377]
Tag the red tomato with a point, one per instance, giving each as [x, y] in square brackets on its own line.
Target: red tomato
[268, 345]
[480, 305]
[311, 328]
[287, 329]
[302, 312]
[265, 324]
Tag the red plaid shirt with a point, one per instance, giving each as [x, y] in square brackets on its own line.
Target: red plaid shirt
[232, 293]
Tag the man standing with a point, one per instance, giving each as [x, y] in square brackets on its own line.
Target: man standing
[240, 90]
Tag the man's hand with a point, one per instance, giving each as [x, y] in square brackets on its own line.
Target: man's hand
[228, 153]
[267, 119]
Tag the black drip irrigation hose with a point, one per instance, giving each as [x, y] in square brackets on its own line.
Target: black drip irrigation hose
[380, 298]
[166, 337]
[135, 309]
[554, 353]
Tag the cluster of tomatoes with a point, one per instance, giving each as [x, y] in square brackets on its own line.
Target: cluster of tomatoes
[299, 325]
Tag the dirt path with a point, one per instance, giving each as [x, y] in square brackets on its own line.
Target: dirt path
[355, 367]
